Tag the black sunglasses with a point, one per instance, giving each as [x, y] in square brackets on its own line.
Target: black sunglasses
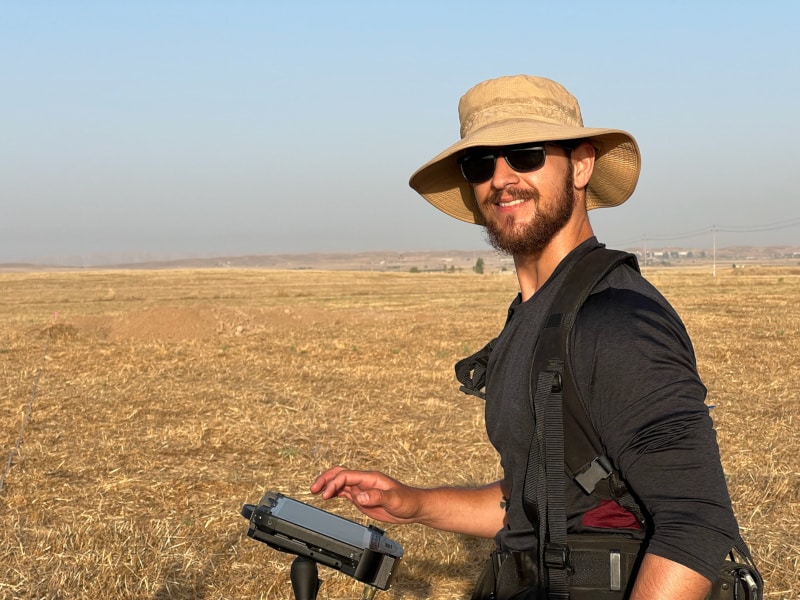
[477, 164]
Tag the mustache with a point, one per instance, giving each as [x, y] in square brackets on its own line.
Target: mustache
[513, 194]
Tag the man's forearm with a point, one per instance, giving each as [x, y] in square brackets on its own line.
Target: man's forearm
[471, 511]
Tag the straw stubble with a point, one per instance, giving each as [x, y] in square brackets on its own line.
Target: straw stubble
[167, 399]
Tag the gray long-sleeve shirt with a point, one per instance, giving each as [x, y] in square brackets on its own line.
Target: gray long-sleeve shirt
[635, 368]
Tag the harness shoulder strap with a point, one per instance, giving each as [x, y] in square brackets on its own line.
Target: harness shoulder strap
[559, 413]
[585, 458]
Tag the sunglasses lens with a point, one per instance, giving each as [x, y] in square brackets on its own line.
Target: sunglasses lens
[477, 168]
[525, 159]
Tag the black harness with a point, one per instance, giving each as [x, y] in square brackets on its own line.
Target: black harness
[560, 414]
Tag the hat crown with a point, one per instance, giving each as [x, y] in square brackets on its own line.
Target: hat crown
[517, 97]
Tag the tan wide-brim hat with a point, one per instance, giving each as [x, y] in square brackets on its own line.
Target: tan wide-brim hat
[520, 109]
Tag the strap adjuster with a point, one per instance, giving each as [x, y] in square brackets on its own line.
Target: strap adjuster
[556, 556]
[558, 384]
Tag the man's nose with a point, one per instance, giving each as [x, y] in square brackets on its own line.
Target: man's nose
[503, 174]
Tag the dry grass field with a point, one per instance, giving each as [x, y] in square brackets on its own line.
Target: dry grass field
[161, 401]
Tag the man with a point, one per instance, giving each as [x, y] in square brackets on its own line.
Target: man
[527, 170]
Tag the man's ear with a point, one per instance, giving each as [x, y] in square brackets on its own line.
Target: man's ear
[582, 165]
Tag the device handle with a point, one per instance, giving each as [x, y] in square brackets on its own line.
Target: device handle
[305, 581]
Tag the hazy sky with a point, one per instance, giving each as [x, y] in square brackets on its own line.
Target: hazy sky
[195, 128]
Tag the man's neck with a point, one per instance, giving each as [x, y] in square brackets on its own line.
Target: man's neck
[533, 270]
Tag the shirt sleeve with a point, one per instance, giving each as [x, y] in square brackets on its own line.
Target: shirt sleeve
[647, 402]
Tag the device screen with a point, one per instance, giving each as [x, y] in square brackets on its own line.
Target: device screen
[321, 521]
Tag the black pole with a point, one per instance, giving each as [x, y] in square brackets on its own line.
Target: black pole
[305, 581]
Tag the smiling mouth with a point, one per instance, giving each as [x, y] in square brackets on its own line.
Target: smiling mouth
[510, 198]
[511, 203]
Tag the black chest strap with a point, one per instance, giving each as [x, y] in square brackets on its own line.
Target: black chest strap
[560, 415]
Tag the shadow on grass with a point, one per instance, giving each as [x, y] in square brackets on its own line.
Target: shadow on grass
[411, 585]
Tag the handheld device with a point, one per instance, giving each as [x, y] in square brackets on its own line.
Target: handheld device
[288, 525]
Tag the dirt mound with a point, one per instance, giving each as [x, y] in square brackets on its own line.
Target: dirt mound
[60, 331]
[171, 323]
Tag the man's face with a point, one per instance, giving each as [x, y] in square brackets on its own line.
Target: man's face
[524, 211]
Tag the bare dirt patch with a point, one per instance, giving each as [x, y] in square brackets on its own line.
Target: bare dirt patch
[195, 323]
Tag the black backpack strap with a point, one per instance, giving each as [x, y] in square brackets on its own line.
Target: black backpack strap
[559, 414]
[471, 371]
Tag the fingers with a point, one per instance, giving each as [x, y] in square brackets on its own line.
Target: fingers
[322, 480]
[360, 487]
[373, 493]
[373, 497]
[342, 482]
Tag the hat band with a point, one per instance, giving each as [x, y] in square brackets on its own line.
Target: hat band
[548, 112]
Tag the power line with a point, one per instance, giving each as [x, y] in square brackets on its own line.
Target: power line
[784, 224]
[681, 236]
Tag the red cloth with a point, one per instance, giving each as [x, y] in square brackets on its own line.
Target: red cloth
[610, 515]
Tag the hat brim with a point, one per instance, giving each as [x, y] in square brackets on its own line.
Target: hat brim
[616, 169]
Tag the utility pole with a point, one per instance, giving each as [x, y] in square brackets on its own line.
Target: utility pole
[714, 246]
[645, 252]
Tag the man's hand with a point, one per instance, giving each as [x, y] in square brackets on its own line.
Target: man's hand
[376, 495]
[472, 511]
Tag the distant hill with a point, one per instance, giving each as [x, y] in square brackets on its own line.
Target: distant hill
[421, 261]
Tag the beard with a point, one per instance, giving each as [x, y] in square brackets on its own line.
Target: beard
[531, 238]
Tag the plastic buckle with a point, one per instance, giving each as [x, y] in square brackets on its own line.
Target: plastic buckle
[597, 470]
[556, 556]
[750, 582]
